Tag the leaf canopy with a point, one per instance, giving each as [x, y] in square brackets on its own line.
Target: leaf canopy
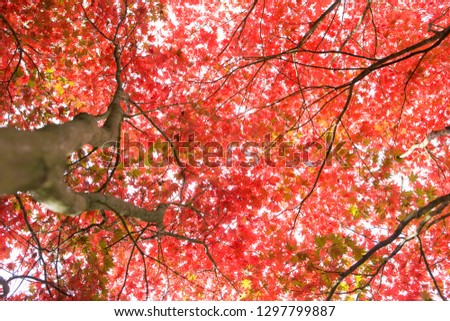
[273, 129]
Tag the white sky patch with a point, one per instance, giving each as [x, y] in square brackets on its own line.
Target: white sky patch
[171, 15]
[403, 181]
[220, 34]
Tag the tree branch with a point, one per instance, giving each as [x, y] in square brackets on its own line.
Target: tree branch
[430, 273]
[433, 135]
[98, 201]
[5, 288]
[316, 23]
[437, 202]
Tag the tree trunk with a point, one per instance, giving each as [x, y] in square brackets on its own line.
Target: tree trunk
[35, 162]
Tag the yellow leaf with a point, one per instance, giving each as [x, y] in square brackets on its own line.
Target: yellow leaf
[59, 88]
[246, 284]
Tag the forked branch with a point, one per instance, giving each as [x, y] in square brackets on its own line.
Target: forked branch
[437, 204]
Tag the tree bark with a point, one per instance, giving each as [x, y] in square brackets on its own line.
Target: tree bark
[35, 162]
[434, 134]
